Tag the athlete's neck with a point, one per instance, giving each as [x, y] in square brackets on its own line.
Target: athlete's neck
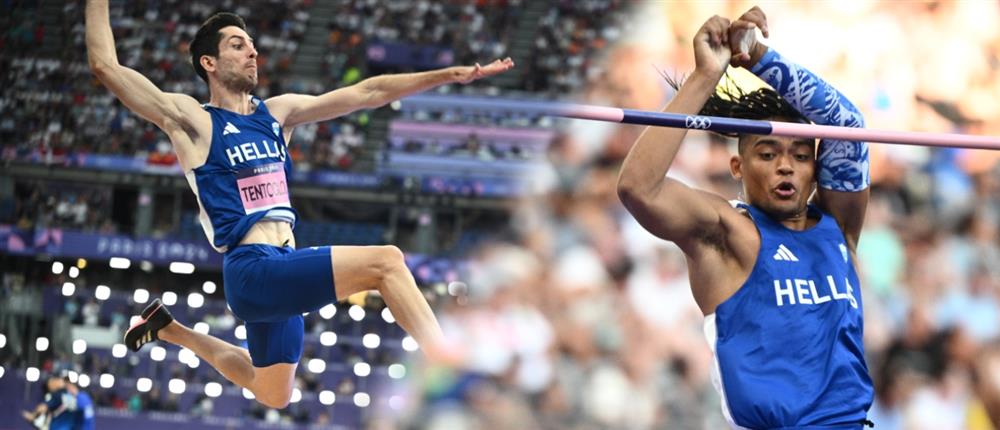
[235, 101]
[799, 221]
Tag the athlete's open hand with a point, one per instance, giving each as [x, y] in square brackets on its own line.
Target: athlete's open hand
[743, 43]
[471, 73]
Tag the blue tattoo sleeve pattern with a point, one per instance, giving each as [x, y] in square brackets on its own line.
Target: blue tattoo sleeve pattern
[842, 165]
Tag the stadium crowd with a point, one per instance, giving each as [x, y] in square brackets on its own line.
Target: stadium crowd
[54, 111]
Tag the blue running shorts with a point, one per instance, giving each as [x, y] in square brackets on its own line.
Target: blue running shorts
[269, 288]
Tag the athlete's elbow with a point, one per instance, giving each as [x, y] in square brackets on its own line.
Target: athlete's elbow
[630, 190]
[100, 68]
[97, 67]
[626, 193]
[856, 119]
[634, 200]
[861, 121]
[378, 99]
[371, 94]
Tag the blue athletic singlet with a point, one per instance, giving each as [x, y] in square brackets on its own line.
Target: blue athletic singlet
[244, 180]
[84, 411]
[788, 344]
[62, 410]
[245, 176]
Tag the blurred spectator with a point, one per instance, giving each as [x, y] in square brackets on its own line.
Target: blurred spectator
[571, 38]
[58, 205]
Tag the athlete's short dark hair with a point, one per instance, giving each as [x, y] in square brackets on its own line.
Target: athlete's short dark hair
[206, 41]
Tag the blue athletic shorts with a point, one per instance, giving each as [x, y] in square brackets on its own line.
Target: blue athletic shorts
[269, 288]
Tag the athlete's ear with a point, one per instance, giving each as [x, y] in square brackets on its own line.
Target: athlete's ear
[736, 167]
[207, 63]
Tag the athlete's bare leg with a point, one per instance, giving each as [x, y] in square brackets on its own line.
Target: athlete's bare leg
[382, 268]
[271, 385]
[356, 269]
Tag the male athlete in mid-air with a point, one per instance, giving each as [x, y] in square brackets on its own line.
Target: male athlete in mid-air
[233, 151]
[775, 276]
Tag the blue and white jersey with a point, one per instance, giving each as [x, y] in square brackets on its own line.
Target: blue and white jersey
[788, 344]
[245, 178]
[84, 411]
[62, 409]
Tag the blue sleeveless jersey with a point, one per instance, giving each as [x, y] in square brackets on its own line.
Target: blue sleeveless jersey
[84, 411]
[788, 344]
[245, 178]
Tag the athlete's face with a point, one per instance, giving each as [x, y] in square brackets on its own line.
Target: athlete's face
[236, 66]
[778, 173]
[55, 383]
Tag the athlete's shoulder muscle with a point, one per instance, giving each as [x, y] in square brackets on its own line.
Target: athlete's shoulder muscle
[720, 260]
[191, 136]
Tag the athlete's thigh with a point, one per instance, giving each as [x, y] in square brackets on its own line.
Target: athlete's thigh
[275, 349]
[361, 268]
[280, 284]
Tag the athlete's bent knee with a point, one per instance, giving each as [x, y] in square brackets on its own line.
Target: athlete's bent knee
[274, 400]
[389, 259]
[391, 255]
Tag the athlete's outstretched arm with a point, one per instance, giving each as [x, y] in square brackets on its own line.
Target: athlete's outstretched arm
[666, 207]
[31, 416]
[133, 89]
[842, 166]
[295, 109]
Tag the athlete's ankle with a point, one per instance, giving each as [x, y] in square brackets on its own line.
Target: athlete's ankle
[171, 332]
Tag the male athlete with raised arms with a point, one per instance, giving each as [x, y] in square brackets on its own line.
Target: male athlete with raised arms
[776, 275]
[233, 151]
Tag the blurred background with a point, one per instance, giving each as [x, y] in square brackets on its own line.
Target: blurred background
[567, 314]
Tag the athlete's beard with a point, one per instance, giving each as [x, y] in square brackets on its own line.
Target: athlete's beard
[241, 83]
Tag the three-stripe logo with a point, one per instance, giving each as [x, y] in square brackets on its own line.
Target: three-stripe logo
[230, 129]
[784, 254]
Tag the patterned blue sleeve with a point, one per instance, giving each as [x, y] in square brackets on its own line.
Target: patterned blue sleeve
[842, 165]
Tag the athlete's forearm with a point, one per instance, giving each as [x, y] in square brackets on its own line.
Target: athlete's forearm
[817, 100]
[100, 41]
[653, 153]
[842, 165]
[387, 88]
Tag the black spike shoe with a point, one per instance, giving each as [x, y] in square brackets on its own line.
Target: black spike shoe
[152, 319]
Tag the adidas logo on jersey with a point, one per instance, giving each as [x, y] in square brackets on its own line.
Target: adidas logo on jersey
[230, 129]
[784, 254]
